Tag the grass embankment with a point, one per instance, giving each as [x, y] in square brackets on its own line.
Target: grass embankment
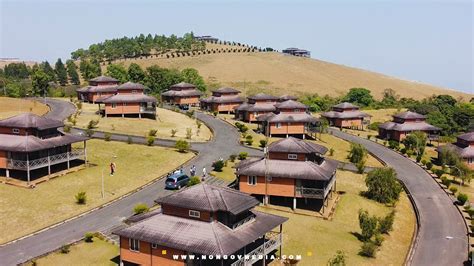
[99, 252]
[317, 240]
[27, 210]
[165, 122]
[12, 106]
[280, 74]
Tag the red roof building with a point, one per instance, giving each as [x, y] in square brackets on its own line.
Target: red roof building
[202, 220]
[31, 145]
[464, 147]
[98, 87]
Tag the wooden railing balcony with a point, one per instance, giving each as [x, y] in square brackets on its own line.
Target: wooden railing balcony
[148, 110]
[315, 193]
[45, 161]
[255, 255]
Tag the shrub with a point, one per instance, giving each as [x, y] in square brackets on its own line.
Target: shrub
[129, 140]
[360, 167]
[92, 124]
[190, 113]
[369, 137]
[331, 152]
[424, 162]
[194, 180]
[88, 237]
[382, 185]
[263, 143]
[462, 198]
[173, 132]
[368, 249]
[67, 128]
[418, 158]
[215, 113]
[357, 153]
[470, 212]
[182, 145]
[189, 133]
[374, 126]
[81, 197]
[453, 189]
[243, 156]
[249, 139]
[152, 132]
[79, 105]
[445, 181]
[403, 151]
[218, 165]
[393, 144]
[439, 172]
[232, 157]
[386, 223]
[107, 136]
[65, 249]
[429, 165]
[89, 132]
[150, 140]
[141, 208]
[368, 225]
[198, 124]
[378, 240]
[338, 260]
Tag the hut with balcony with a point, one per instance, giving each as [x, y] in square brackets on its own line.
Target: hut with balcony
[202, 220]
[292, 170]
[405, 123]
[347, 115]
[222, 100]
[463, 147]
[129, 100]
[98, 87]
[31, 146]
[290, 119]
[182, 94]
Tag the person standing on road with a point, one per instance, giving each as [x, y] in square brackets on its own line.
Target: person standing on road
[204, 173]
[193, 170]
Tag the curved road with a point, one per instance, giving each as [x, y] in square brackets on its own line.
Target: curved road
[442, 235]
[442, 238]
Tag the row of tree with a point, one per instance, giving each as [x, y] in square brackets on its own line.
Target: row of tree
[443, 111]
[141, 45]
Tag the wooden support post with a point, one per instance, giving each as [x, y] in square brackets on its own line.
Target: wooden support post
[281, 242]
[140, 115]
[28, 168]
[294, 203]
[7, 172]
[49, 164]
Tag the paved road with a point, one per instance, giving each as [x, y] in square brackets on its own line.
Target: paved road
[223, 145]
[439, 218]
[59, 109]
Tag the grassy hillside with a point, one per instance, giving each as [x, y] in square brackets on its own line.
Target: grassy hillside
[279, 74]
[11, 106]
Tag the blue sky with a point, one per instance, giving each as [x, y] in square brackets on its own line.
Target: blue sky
[422, 40]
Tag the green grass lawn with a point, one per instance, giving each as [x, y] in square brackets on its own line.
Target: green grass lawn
[27, 210]
[99, 252]
[228, 172]
[317, 240]
[165, 122]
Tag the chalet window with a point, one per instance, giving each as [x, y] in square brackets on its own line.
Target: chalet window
[114, 105]
[15, 131]
[194, 214]
[154, 246]
[292, 156]
[252, 180]
[278, 125]
[134, 244]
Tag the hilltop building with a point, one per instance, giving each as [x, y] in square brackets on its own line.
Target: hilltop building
[206, 38]
[289, 119]
[293, 169]
[464, 147]
[98, 87]
[259, 104]
[297, 52]
[405, 123]
[347, 115]
[202, 220]
[129, 99]
[222, 100]
[32, 146]
[182, 94]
